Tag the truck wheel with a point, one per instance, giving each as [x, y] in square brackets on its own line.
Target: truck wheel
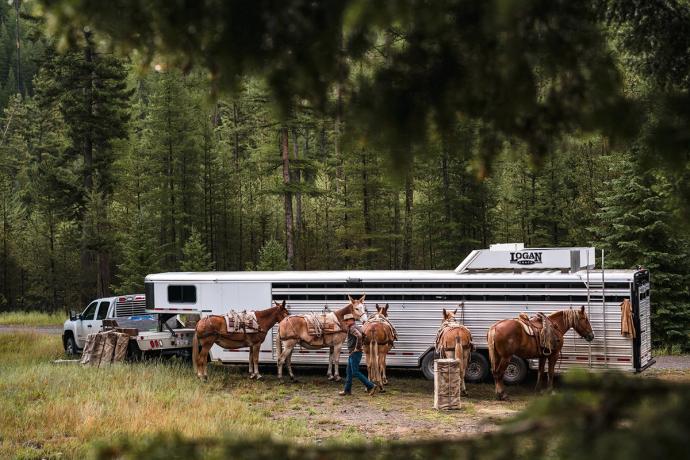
[516, 372]
[134, 353]
[478, 369]
[70, 346]
[428, 365]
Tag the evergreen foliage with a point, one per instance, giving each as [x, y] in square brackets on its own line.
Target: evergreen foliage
[195, 256]
[638, 227]
[272, 257]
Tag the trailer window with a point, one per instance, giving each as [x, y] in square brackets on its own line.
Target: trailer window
[182, 294]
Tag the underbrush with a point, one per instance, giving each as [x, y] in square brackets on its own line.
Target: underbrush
[31, 318]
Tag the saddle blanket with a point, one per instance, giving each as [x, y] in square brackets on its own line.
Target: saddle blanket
[526, 324]
[379, 318]
[446, 326]
[321, 324]
[241, 322]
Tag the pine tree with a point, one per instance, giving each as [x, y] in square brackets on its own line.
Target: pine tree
[272, 257]
[637, 228]
[196, 257]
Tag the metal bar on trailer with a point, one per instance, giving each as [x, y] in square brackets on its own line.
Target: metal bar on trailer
[589, 315]
[603, 303]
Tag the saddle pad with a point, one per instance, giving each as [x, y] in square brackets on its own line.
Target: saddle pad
[320, 324]
[446, 326]
[524, 321]
[379, 318]
[241, 322]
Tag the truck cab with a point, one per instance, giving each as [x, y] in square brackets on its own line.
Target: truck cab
[79, 325]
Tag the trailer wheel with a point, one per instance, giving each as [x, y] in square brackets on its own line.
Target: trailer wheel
[428, 365]
[478, 369]
[516, 372]
[70, 346]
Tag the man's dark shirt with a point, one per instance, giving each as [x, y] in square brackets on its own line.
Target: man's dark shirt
[354, 338]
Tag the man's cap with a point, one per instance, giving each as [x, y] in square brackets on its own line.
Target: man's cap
[348, 316]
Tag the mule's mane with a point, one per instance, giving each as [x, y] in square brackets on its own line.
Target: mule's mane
[570, 317]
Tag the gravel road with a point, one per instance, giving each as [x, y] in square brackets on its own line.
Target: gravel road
[53, 330]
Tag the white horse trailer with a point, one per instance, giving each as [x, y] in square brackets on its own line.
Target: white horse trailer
[489, 285]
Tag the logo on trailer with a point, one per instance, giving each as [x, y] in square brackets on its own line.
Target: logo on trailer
[525, 258]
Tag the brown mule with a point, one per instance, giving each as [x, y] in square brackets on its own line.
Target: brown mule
[212, 330]
[454, 340]
[294, 330]
[379, 337]
[508, 337]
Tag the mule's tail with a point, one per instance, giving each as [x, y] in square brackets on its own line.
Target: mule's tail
[279, 344]
[195, 352]
[374, 371]
[491, 342]
[458, 347]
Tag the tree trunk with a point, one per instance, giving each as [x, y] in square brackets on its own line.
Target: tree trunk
[365, 210]
[20, 84]
[86, 256]
[407, 238]
[289, 230]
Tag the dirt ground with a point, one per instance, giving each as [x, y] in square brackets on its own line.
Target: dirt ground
[404, 411]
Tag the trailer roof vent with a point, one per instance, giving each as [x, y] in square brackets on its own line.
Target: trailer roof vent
[515, 256]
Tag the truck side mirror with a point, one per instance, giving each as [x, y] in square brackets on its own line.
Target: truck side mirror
[72, 315]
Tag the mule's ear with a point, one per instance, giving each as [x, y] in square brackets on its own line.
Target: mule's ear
[378, 308]
[456, 310]
[350, 298]
[582, 309]
[444, 313]
[386, 308]
[362, 299]
[283, 304]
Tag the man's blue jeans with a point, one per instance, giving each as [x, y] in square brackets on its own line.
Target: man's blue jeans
[353, 371]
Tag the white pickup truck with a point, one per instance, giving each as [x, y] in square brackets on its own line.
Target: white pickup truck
[151, 334]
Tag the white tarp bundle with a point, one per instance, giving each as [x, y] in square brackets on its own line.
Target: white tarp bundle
[104, 348]
[447, 384]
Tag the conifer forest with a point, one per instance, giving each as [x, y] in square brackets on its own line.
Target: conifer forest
[357, 139]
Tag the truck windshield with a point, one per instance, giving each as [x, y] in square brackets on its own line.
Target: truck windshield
[90, 311]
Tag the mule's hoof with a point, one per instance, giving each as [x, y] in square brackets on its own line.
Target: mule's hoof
[259, 377]
[251, 376]
[502, 396]
[337, 379]
[330, 377]
[464, 393]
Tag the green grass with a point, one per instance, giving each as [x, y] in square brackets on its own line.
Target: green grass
[51, 410]
[32, 318]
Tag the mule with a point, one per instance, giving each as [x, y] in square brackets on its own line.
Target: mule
[508, 337]
[454, 341]
[379, 337]
[212, 330]
[294, 330]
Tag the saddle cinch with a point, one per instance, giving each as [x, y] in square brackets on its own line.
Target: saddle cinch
[541, 328]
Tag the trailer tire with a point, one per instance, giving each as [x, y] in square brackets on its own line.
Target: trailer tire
[70, 345]
[428, 365]
[478, 369]
[516, 372]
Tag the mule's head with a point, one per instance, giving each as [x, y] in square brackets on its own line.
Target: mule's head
[359, 309]
[282, 310]
[449, 315]
[582, 325]
[383, 311]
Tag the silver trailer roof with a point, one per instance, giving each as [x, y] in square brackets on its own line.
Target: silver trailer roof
[390, 275]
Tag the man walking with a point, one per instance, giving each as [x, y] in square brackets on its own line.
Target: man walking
[354, 345]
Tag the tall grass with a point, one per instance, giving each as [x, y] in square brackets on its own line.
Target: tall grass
[31, 318]
[58, 409]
